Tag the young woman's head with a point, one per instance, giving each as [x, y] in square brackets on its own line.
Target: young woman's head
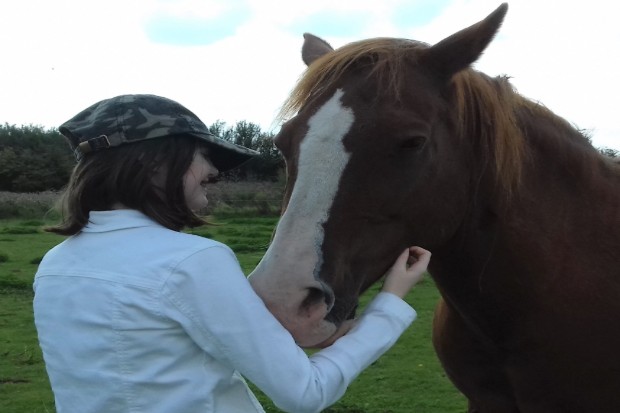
[142, 152]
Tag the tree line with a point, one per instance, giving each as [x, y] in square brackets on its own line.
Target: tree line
[36, 159]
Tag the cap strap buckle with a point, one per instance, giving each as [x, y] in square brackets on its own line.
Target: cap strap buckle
[92, 145]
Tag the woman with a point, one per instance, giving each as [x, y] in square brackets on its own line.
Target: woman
[134, 315]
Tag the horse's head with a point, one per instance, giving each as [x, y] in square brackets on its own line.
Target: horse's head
[375, 163]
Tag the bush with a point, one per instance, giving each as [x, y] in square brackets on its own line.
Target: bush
[18, 230]
[249, 198]
[32, 223]
[36, 261]
[33, 159]
[34, 207]
[245, 198]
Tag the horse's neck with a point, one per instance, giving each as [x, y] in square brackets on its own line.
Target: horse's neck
[568, 202]
[568, 194]
[562, 170]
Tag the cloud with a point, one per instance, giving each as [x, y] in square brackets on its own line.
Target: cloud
[238, 59]
[332, 23]
[189, 32]
[178, 26]
[417, 13]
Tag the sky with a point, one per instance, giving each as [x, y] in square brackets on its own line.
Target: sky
[233, 60]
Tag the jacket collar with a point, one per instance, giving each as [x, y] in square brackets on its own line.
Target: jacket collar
[104, 221]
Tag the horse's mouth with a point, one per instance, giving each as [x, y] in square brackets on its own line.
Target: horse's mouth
[351, 315]
[343, 309]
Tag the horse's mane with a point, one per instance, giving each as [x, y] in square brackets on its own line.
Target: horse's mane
[486, 107]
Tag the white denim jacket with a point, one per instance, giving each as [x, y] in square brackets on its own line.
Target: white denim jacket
[133, 317]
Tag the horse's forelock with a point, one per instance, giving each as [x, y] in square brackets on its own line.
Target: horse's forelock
[385, 55]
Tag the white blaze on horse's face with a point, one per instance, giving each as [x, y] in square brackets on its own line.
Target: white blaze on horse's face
[287, 277]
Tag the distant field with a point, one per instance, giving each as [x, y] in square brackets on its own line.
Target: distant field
[225, 198]
[407, 379]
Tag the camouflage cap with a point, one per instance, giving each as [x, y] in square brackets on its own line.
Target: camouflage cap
[132, 118]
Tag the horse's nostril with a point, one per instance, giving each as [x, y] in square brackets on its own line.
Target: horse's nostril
[319, 295]
[314, 296]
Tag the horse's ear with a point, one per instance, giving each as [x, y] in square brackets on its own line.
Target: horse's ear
[313, 48]
[459, 51]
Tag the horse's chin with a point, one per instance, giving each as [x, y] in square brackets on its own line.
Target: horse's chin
[321, 328]
[307, 324]
[324, 332]
[316, 336]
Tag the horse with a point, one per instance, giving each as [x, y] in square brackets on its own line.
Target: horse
[394, 142]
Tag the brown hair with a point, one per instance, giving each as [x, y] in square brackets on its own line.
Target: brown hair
[124, 175]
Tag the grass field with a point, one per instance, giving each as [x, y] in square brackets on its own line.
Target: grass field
[407, 379]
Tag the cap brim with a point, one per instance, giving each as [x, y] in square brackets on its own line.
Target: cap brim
[226, 155]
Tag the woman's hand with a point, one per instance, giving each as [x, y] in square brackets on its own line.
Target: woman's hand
[407, 271]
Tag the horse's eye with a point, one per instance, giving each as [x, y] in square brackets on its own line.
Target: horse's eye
[412, 143]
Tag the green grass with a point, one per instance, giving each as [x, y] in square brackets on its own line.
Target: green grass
[22, 245]
[407, 379]
[24, 386]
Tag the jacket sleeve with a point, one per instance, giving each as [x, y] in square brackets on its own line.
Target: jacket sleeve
[216, 305]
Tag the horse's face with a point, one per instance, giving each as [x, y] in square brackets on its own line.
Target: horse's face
[368, 175]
